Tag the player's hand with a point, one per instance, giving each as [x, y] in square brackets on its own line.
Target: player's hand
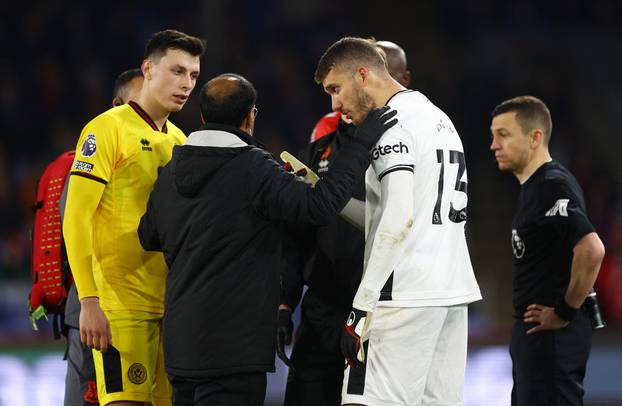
[544, 316]
[284, 330]
[351, 341]
[375, 124]
[94, 325]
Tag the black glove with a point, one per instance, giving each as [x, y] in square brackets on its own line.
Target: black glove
[351, 336]
[375, 124]
[284, 330]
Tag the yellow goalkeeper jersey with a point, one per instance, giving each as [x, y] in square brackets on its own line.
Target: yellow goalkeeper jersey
[123, 149]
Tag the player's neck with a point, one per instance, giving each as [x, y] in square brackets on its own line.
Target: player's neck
[387, 90]
[156, 112]
[540, 158]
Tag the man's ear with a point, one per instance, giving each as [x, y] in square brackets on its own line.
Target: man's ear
[362, 73]
[145, 67]
[407, 78]
[248, 123]
[117, 101]
[536, 138]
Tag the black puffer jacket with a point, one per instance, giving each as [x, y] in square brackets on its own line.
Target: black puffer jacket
[331, 256]
[215, 212]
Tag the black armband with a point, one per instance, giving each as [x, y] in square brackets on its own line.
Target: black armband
[564, 311]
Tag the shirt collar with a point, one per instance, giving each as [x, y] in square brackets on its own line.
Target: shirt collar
[143, 114]
[244, 136]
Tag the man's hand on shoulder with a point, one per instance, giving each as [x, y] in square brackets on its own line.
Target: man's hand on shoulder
[94, 325]
[545, 318]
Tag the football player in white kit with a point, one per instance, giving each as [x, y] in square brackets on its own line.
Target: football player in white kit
[406, 338]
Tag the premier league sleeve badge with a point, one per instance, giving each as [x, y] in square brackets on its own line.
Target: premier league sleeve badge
[89, 147]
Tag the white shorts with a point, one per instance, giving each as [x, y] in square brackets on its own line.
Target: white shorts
[414, 356]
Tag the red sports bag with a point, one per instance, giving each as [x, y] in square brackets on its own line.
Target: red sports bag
[51, 276]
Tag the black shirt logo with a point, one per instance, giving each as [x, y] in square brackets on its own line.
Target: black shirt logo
[145, 143]
[382, 150]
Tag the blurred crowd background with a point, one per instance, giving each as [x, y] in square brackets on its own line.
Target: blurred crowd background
[60, 59]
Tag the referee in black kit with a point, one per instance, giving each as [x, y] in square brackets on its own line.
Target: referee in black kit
[557, 256]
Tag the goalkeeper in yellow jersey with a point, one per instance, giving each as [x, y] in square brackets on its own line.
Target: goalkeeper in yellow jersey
[121, 287]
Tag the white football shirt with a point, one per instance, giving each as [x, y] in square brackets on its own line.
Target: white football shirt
[433, 267]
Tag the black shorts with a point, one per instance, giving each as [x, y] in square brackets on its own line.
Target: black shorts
[244, 389]
[317, 376]
[548, 367]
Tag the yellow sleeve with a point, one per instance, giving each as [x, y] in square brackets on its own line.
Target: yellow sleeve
[92, 169]
[83, 197]
[96, 151]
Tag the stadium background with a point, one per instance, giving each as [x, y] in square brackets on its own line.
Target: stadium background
[59, 61]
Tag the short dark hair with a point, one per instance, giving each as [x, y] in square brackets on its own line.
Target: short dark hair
[124, 78]
[531, 113]
[162, 41]
[227, 105]
[348, 52]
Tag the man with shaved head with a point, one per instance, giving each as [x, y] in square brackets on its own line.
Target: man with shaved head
[333, 265]
[215, 212]
[396, 62]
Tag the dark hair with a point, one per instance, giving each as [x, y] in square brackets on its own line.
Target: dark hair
[227, 103]
[531, 113]
[162, 41]
[346, 53]
[123, 79]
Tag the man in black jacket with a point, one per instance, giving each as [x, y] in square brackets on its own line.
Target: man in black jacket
[215, 212]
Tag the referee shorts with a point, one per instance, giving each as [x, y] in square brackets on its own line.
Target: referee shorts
[414, 356]
[132, 369]
[548, 367]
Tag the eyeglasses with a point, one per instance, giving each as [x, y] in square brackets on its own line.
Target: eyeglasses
[255, 111]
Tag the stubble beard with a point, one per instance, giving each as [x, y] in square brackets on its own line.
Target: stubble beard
[363, 104]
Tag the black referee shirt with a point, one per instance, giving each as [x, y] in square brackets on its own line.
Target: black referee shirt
[549, 220]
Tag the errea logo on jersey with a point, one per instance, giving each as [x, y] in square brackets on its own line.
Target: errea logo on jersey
[145, 143]
[381, 150]
[560, 207]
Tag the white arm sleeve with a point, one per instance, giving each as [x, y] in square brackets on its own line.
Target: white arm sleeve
[395, 224]
[354, 213]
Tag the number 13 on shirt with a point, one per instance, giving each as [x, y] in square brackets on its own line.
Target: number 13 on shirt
[456, 215]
